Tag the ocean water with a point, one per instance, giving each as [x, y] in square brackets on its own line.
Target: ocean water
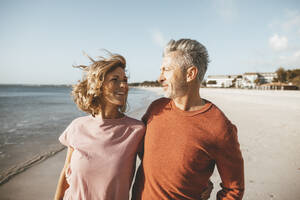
[33, 117]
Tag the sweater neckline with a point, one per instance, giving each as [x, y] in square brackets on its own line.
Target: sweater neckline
[206, 107]
[99, 119]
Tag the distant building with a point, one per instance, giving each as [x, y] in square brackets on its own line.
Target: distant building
[252, 79]
[221, 81]
[246, 80]
[238, 81]
[278, 86]
[268, 77]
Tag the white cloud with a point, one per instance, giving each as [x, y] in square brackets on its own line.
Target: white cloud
[158, 38]
[278, 43]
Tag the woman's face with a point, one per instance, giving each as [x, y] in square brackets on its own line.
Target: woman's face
[115, 87]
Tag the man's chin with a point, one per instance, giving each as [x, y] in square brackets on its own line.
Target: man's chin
[168, 94]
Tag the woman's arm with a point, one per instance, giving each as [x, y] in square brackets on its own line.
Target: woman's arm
[62, 182]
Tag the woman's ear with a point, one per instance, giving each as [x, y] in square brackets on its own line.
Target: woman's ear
[191, 73]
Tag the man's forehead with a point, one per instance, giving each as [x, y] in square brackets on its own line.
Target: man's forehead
[170, 59]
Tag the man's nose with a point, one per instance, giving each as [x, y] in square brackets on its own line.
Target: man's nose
[161, 78]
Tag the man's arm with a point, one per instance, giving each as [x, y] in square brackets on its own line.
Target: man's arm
[230, 165]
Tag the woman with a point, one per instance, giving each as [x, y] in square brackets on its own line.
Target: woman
[102, 147]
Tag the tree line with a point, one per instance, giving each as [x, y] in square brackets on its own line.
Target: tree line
[145, 84]
[288, 76]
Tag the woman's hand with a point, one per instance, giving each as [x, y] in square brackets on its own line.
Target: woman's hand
[62, 182]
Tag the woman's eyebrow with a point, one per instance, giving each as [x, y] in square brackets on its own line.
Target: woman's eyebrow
[117, 76]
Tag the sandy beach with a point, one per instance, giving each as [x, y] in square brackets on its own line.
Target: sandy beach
[269, 134]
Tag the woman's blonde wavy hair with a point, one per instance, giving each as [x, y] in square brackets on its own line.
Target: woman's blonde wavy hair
[87, 92]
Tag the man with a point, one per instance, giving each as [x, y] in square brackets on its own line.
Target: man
[186, 135]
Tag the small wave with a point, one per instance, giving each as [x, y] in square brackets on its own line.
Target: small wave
[20, 124]
[9, 143]
[11, 130]
[9, 173]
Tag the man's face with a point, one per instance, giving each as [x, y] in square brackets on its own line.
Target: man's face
[172, 76]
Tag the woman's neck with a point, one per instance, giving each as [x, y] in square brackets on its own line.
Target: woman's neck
[110, 112]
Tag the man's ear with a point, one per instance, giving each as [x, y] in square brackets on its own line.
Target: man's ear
[191, 73]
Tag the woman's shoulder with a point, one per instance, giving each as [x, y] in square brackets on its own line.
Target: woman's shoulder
[134, 122]
[81, 120]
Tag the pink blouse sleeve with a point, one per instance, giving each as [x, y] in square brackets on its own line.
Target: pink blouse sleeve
[65, 137]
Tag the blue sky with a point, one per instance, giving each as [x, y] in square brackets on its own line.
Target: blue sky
[40, 40]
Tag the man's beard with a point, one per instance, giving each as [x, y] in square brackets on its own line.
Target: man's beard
[177, 90]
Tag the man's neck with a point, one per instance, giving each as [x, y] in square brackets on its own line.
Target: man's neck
[191, 101]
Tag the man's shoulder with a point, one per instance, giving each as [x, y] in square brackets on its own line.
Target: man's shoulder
[212, 115]
[159, 104]
[161, 100]
[217, 113]
[219, 122]
[155, 108]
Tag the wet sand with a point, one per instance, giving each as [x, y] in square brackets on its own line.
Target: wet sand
[269, 134]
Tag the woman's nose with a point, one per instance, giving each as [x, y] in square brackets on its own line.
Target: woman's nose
[123, 84]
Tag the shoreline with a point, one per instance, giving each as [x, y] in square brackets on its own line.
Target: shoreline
[9, 173]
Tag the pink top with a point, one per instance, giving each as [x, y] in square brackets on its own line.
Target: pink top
[103, 161]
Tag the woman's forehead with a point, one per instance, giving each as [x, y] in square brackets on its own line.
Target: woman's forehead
[119, 71]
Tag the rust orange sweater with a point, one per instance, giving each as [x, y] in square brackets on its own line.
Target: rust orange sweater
[181, 150]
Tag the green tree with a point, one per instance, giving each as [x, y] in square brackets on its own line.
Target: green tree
[211, 82]
[282, 75]
[257, 81]
[296, 81]
[290, 74]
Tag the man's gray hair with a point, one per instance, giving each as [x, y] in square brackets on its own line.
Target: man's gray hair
[193, 53]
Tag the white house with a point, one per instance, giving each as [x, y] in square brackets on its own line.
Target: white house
[246, 80]
[267, 77]
[219, 81]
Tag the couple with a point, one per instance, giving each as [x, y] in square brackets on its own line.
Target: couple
[180, 139]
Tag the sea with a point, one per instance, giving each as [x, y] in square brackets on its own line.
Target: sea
[32, 117]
